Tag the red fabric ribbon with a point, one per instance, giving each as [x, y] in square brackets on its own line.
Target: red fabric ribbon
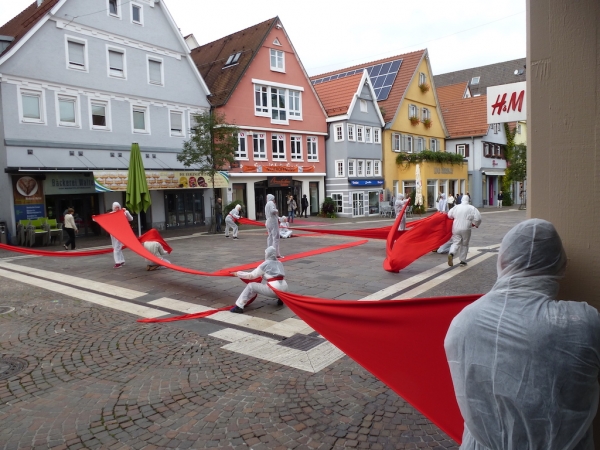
[154, 235]
[60, 254]
[401, 342]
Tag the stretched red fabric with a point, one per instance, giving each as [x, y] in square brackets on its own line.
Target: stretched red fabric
[245, 221]
[117, 225]
[154, 235]
[422, 237]
[401, 342]
[317, 251]
[61, 254]
[394, 232]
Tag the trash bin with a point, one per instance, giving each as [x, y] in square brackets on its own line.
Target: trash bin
[4, 233]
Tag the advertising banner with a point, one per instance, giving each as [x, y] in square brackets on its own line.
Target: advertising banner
[279, 181]
[69, 183]
[506, 103]
[116, 180]
[28, 194]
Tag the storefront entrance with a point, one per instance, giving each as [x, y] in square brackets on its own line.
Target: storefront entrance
[313, 187]
[357, 204]
[280, 192]
[184, 209]
[85, 206]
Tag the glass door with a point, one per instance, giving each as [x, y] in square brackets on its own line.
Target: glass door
[313, 189]
[357, 204]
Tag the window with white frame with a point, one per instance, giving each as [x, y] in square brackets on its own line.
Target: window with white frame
[413, 111]
[360, 133]
[376, 136]
[278, 146]
[261, 100]
[377, 168]
[77, 54]
[407, 144]
[486, 149]
[311, 148]
[518, 128]
[419, 144]
[396, 142]
[338, 133]
[155, 71]
[475, 80]
[351, 128]
[295, 110]
[259, 141]
[339, 168]
[32, 106]
[100, 112]
[338, 200]
[460, 150]
[137, 14]
[277, 60]
[278, 109]
[116, 62]
[176, 119]
[360, 168]
[368, 134]
[242, 151]
[140, 120]
[114, 8]
[425, 114]
[296, 148]
[368, 168]
[233, 59]
[434, 147]
[194, 118]
[68, 111]
[363, 106]
[422, 78]
[351, 165]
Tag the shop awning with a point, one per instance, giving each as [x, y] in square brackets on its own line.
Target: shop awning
[366, 182]
[494, 172]
[116, 180]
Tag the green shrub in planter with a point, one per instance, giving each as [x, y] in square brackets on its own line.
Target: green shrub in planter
[229, 207]
[328, 208]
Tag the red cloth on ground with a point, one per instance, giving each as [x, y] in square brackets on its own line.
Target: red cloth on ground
[154, 235]
[422, 237]
[401, 342]
[62, 254]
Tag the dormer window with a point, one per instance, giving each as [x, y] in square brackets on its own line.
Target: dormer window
[233, 59]
[475, 80]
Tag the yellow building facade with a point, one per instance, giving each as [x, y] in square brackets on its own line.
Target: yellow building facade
[402, 135]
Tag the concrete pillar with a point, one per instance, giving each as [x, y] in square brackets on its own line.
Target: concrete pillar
[563, 159]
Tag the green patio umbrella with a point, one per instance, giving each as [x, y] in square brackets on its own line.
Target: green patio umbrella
[137, 197]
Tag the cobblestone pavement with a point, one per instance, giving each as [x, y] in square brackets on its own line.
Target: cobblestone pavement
[85, 374]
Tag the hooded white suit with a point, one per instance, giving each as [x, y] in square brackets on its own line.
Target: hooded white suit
[284, 228]
[398, 205]
[442, 203]
[233, 215]
[272, 224]
[525, 366]
[465, 216]
[268, 270]
[117, 245]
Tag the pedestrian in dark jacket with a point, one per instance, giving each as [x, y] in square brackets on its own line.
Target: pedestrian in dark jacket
[304, 204]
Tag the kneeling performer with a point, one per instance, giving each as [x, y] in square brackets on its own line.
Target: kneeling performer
[270, 272]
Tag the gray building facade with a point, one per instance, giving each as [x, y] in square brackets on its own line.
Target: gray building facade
[77, 88]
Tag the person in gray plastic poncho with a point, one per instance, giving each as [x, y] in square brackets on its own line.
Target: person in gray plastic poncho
[272, 224]
[233, 215]
[271, 273]
[116, 244]
[525, 366]
[398, 205]
[465, 216]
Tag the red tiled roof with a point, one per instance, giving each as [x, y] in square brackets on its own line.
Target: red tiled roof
[18, 26]
[451, 92]
[410, 61]
[210, 59]
[466, 117]
[337, 95]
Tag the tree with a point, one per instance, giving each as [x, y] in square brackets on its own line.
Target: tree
[211, 147]
[516, 158]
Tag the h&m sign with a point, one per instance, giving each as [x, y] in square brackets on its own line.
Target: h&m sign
[506, 103]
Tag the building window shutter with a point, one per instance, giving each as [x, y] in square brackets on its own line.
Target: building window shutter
[466, 150]
[76, 53]
[155, 72]
[115, 60]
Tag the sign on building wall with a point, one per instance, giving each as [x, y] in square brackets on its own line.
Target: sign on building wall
[109, 181]
[506, 103]
[69, 183]
[28, 194]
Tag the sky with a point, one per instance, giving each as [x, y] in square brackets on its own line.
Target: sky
[333, 34]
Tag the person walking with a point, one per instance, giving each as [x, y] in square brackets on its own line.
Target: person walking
[500, 198]
[218, 214]
[451, 201]
[71, 228]
[117, 245]
[291, 205]
[304, 204]
[271, 273]
[465, 216]
[272, 224]
[524, 364]
[458, 199]
[230, 221]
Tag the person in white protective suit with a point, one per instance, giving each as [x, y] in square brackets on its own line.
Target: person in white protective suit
[284, 228]
[465, 216]
[157, 250]
[233, 215]
[117, 245]
[442, 205]
[398, 205]
[271, 273]
[524, 365]
[272, 224]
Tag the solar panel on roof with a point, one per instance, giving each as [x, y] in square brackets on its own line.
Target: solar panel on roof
[382, 75]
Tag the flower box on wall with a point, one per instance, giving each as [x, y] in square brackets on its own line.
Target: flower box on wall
[424, 87]
[427, 123]
[414, 120]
